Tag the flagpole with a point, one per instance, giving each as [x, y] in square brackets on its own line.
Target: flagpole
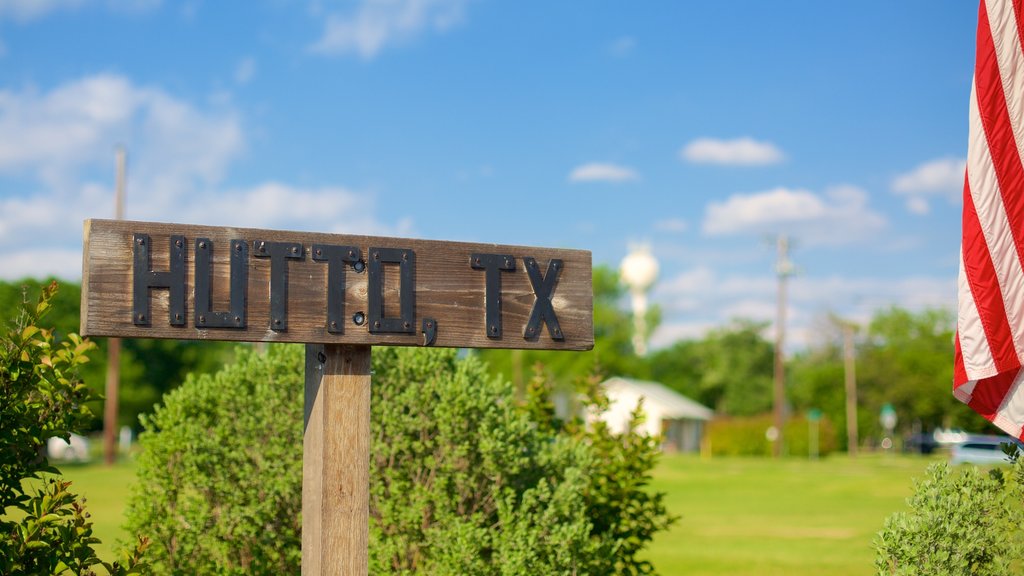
[113, 344]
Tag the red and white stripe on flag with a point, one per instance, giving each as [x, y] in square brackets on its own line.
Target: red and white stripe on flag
[990, 317]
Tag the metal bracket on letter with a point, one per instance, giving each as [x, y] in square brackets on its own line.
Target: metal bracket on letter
[145, 279]
[406, 260]
[205, 316]
[543, 289]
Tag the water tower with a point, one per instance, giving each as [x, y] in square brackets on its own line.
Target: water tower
[639, 270]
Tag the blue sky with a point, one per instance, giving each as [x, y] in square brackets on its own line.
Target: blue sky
[701, 129]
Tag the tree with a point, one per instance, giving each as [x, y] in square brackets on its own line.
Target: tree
[41, 397]
[907, 360]
[149, 367]
[730, 369]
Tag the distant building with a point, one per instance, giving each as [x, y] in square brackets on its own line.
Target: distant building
[678, 419]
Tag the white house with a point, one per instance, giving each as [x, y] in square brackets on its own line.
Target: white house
[679, 420]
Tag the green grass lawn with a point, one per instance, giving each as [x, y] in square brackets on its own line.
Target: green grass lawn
[789, 517]
[106, 491]
[738, 515]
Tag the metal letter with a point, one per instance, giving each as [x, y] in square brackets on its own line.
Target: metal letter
[406, 260]
[279, 254]
[145, 279]
[493, 264]
[336, 258]
[543, 289]
[205, 316]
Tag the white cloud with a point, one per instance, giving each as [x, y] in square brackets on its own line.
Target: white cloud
[840, 215]
[918, 205]
[377, 23]
[245, 71]
[940, 177]
[24, 11]
[622, 46]
[41, 263]
[275, 205]
[59, 145]
[738, 152]
[671, 225]
[27, 10]
[78, 124]
[700, 299]
[601, 172]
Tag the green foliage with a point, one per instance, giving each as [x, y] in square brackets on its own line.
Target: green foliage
[906, 360]
[961, 522]
[463, 479]
[730, 369]
[41, 397]
[148, 367]
[220, 473]
[746, 436]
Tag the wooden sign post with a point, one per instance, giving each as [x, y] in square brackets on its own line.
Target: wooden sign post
[339, 295]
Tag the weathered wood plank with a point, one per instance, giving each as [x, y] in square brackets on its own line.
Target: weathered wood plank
[336, 461]
[446, 288]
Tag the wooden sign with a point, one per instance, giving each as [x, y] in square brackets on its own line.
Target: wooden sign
[339, 295]
[150, 280]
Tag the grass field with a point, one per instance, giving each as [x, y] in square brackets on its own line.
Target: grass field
[789, 517]
[738, 515]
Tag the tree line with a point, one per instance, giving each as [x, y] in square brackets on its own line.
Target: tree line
[903, 358]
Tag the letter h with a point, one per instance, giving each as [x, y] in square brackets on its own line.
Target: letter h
[145, 279]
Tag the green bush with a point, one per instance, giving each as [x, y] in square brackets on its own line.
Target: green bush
[746, 436]
[463, 479]
[219, 486]
[962, 522]
[44, 529]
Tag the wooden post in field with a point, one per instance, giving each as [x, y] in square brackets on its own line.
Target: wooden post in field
[339, 295]
[336, 460]
[113, 382]
[850, 385]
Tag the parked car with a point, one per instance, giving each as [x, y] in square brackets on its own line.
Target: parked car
[983, 450]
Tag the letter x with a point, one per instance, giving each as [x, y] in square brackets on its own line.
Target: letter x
[543, 288]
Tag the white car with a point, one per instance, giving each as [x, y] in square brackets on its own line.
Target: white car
[986, 450]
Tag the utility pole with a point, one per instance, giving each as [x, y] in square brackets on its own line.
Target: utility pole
[850, 378]
[113, 344]
[783, 270]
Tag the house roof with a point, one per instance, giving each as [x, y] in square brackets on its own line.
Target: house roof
[672, 404]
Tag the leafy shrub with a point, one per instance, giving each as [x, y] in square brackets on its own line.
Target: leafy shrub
[42, 397]
[746, 436]
[219, 486]
[463, 480]
[961, 522]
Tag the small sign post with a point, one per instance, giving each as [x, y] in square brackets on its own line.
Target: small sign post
[339, 295]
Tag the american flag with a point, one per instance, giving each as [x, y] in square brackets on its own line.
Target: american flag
[990, 317]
